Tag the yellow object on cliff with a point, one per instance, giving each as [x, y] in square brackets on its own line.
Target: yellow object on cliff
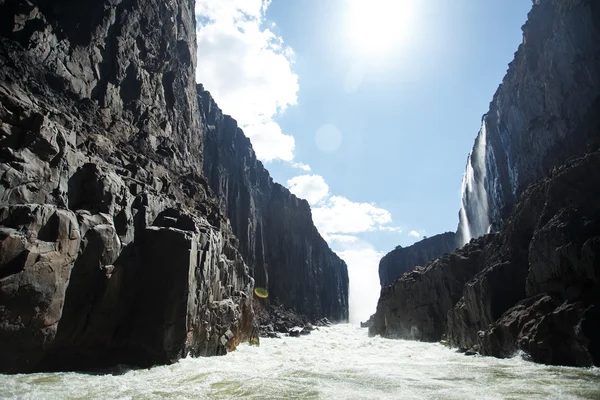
[261, 292]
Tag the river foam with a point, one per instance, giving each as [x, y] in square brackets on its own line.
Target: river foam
[340, 362]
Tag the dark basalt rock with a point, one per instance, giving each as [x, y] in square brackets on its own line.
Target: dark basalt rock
[548, 331]
[542, 114]
[555, 316]
[404, 259]
[38, 249]
[274, 319]
[277, 237]
[416, 305]
[295, 331]
[532, 287]
[323, 322]
[112, 248]
[368, 323]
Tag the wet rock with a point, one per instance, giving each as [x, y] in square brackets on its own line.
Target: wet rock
[281, 326]
[296, 331]
[548, 331]
[323, 322]
[275, 320]
[309, 327]
[368, 323]
[268, 331]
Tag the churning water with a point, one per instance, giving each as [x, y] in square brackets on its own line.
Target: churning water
[340, 362]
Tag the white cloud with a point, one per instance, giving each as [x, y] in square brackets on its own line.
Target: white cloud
[220, 9]
[338, 215]
[342, 239]
[248, 69]
[302, 166]
[310, 187]
[414, 234]
[391, 229]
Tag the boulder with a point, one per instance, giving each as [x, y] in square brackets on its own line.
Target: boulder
[39, 245]
[368, 323]
[296, 331]
[323, 322]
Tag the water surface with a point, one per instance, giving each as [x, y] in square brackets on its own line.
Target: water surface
[340, 362]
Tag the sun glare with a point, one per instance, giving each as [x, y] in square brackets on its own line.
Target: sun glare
[378, 27]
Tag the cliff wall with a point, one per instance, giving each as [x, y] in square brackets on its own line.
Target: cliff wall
[539, 116]
[277, 237]
[112, 249]
[404, 259]
[532, 178]
[533, 286]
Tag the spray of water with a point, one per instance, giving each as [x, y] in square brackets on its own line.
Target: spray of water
[363, 266]
[474, 213]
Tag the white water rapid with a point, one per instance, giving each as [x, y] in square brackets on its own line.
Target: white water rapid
[474, 211]
[338, 363]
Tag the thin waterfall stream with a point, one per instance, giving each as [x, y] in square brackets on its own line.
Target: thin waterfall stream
[474, 219]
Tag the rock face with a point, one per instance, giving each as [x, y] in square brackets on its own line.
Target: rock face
[112, 248]
[533, 285]
[540, 115]
[415, 306]
[404, 259]
[540, 293]
[277, 237]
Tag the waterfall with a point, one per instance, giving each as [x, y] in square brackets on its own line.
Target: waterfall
[474, 219]
[364, 288]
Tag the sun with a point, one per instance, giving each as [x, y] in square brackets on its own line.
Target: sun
[378, 27]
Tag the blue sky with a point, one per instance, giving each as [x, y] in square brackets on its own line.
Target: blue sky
[367, 108]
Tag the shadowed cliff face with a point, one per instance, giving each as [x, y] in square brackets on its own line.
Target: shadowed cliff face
[402, 260]
[112, 249]
[539, 117]
[533, 286]
[276, 233]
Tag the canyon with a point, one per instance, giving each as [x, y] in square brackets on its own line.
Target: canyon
[136, 220]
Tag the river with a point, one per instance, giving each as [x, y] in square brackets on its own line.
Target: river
[340, 362]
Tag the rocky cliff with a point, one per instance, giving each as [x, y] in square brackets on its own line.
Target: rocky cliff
[541, 291]
[533, 286]
[540, 114]
[112, 249]
[404, 259]
[277, 237]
